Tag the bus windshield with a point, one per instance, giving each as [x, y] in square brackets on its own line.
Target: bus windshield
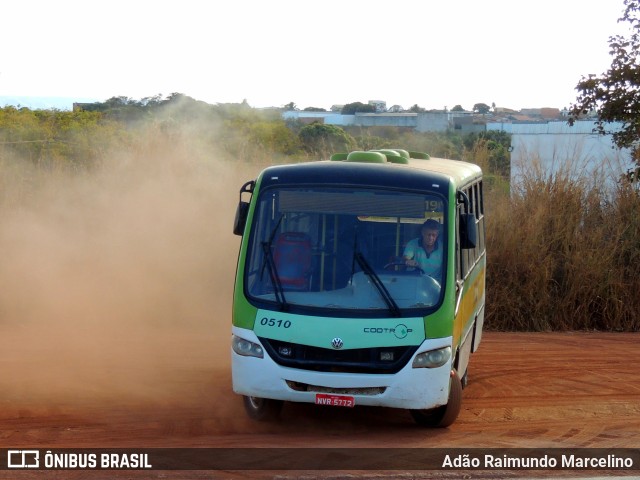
[334, 249]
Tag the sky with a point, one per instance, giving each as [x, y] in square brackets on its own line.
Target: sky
[434, 53]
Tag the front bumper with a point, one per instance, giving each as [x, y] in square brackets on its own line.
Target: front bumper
[410, 388]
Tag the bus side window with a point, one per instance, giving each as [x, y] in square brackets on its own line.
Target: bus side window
[480, 217]
[467, 257]
[473, 193]
[471, 252]
[458, 252]
[461, 254]
[478, 211]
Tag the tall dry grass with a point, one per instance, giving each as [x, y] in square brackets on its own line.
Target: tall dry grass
[563, 253]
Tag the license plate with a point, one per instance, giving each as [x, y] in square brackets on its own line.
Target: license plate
[335, 400]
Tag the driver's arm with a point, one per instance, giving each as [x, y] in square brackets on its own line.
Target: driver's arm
[409, 255]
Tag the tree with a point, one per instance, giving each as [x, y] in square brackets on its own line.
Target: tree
[615, 94]
[291, 106]
[273, 136]
[416, 109]
[323, 139]
[457, 108]
[496, 144]
[355, 107]
[481, 108]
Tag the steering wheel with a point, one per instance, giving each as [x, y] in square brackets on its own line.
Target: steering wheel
[404, 267]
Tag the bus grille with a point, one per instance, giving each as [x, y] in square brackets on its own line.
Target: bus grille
[379, 360]
[304, 387]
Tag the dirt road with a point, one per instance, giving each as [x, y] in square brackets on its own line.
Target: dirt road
[526, 390]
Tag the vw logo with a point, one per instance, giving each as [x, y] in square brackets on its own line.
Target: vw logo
[337, 343]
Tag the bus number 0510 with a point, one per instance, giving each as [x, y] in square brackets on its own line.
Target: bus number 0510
[272, 322]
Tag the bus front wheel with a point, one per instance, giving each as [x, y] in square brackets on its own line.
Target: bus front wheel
[262, 409]
[446, 414]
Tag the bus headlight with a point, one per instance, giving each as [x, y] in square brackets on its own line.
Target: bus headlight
[432, 358]
[246, 348]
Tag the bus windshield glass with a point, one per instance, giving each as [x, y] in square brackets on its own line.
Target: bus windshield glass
[348, 250]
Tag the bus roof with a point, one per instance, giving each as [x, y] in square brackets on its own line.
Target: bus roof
[415, 174]
[457, 170]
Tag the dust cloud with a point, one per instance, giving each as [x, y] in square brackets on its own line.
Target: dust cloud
[116, 283]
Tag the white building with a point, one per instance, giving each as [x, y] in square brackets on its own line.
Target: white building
[575, 151]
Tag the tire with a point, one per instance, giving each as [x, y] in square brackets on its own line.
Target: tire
[262, 409]
[446, 414]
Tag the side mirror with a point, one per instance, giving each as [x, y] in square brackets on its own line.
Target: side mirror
[468, 231]
[243, 209]
[241, 218]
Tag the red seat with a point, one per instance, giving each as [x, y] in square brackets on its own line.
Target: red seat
[292, 256]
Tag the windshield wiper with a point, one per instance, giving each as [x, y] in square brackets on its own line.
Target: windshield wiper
[375, 279]
[273, 271]
[275, 278]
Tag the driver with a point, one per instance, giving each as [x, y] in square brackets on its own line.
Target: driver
[425, 252]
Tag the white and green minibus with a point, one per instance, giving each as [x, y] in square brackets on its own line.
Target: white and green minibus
[340, 299]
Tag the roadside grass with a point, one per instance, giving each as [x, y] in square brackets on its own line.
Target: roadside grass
[563, 253]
